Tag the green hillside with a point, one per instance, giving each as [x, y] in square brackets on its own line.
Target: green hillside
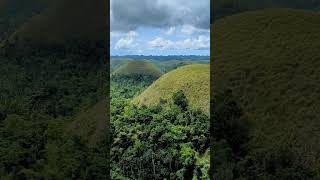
[115, 63]
[167, 66]
[13, 13]
[270, 60]
[228, 7]
[68, 20]
[138, 68]
[193, 80]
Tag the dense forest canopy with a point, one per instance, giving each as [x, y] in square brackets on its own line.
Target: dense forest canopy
[41, 94]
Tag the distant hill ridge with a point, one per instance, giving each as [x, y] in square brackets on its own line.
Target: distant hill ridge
[137, 68]
[228, 7]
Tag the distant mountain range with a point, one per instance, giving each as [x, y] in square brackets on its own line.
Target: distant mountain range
[164, 58]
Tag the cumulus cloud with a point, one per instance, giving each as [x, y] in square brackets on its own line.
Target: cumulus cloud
[127, 15]
[171, 31]
[190, 30]
[116, 34]
[127, 41]
[199, 43]
[160, 43]
[187, 30]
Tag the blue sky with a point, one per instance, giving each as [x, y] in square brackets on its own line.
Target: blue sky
[160, 27]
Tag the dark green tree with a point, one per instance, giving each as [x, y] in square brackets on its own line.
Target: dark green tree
[180, 99]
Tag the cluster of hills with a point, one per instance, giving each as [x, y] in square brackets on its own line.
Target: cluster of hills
[164, 63]
[270, 61]
[160, 113]
[192, 79]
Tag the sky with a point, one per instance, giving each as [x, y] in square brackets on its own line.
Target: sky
[160, 27]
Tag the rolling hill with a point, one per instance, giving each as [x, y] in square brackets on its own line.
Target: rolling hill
[170, 65]
[193, 80]
[137, 68]
[13, 13]
[228, 7]
[67, 20]
[115, 63]
[270, 61]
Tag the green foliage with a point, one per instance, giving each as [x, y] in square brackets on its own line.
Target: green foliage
[229, 136]
[180, 100]
[162, 141]
[41, 91]
[148, 143]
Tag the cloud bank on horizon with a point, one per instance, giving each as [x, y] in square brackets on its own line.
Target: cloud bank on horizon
[160, 27]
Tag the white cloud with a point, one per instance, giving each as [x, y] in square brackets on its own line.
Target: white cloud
[129, 15]
[127, 41]
[199, 43]
[116, 34]
[202, 42]
[171, 31]
[186, 30]
[140, 52]
[162, 25]
[190, 30]
[160, 43]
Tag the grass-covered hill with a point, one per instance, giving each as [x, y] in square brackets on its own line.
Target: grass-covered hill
[193, 80]
[13, 13]
[115, 63]
[138, 68]
[228, 7]
[66, 20]
[164, 63]
[170, 65]
[270, 60]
